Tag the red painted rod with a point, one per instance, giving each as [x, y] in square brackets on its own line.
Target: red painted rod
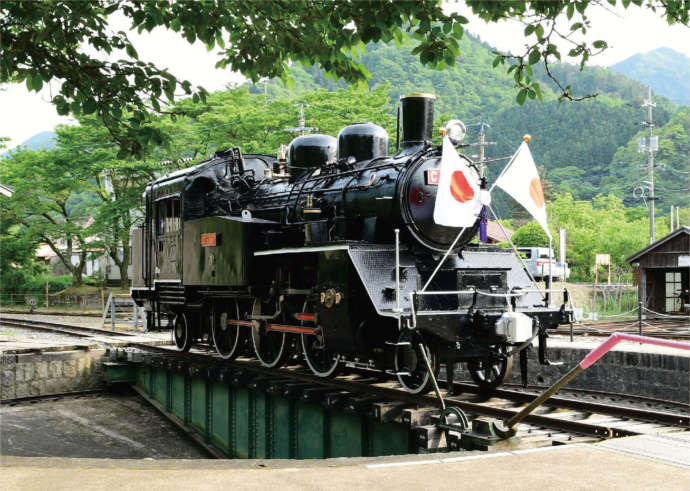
[275, 327]
[617, 337]
[586, 362]
[285, 328]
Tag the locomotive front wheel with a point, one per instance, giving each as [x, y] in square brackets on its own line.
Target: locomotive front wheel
[410, 367]
[181, 333]
[270, 347]
[322, 361]
[490, 374]
[228, 339]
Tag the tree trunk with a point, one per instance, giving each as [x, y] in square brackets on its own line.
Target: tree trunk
[124, 281]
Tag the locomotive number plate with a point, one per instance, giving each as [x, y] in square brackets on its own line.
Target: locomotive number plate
[432, 177]
[209, 240]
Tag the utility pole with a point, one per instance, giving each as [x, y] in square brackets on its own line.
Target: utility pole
[481, 144]
[300, 128]
[651, 146]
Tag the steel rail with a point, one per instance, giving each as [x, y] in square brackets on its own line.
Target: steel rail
[587, 406]
[601, 393]
[61, 328]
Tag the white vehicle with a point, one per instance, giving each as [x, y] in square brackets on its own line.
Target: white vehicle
[537, 261]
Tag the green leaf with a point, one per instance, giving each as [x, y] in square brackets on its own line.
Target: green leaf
[600, 44]
[539, 30]
[37, 82]
[570, 11]
[521, 96]
[497, 60]
[529, 29]
[131, 52]
[534, 57]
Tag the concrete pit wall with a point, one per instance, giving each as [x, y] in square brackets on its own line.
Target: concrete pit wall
[50, 372]
[661, 376]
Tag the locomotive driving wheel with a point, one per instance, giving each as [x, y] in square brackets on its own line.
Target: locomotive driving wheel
[410, 367]
[271, 347]
[322, 361]
[182, 332]
[229, 340]
[489, 374]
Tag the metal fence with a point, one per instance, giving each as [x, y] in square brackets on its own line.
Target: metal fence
[90, 301]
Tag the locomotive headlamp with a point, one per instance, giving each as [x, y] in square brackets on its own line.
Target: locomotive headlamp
[456, 131]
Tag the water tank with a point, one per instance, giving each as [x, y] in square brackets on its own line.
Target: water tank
[363, 141]
[308, 151]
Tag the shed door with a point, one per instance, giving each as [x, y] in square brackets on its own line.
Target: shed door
[672, 291]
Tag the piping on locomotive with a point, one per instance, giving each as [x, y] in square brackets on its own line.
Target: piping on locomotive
[323, 255]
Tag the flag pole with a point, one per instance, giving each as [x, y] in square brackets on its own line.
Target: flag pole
[548, 292]
[534, 282]
[443, 259]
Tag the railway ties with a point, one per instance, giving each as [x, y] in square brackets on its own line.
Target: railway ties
[376, 396]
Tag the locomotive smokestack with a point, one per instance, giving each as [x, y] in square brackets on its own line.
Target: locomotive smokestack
[417, 112]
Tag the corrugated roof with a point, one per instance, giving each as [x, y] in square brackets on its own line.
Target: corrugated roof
[663, 240]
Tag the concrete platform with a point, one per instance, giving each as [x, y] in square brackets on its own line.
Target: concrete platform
[566, 467]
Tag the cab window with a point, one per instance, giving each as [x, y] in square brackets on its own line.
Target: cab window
[168, 216]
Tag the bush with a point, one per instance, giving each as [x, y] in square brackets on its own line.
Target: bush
[37, 284]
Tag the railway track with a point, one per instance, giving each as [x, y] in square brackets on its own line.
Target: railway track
[661, 328]
[563, 419]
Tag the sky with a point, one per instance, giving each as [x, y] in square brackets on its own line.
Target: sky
[627, 32]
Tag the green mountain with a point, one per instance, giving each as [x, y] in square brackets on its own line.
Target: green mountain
[44, 140]
[665, 70]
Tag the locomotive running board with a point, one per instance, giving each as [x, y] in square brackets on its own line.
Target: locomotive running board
[276, 327]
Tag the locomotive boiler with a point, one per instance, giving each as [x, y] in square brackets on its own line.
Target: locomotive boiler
[329, 255]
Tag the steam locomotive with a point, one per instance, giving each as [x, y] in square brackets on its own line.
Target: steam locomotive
[330, 256]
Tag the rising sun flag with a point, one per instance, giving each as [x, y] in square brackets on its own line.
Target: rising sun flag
[521, 181]
[457, 200]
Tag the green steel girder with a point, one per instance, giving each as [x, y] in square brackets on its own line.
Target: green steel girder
[240, 417]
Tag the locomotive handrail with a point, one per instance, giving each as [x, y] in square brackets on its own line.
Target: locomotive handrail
[471, 291]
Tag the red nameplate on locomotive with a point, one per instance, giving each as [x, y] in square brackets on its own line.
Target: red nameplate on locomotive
[432, 177]
[208, 240]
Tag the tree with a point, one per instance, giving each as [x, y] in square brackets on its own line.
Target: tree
[530, 235]
[44, 186]
[112, 186]
[54, 40]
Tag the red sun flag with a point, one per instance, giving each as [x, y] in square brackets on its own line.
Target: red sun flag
[457, 199]
[460, 188]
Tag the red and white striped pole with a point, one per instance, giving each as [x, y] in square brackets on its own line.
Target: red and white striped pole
[586, 362]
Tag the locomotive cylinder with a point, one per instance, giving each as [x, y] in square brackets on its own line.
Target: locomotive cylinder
[363, 141]
[417, 112]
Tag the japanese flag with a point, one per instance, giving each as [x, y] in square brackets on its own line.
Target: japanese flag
[457, 199]
[521, 180]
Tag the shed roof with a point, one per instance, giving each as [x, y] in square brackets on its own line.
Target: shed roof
[663, 240]
[494, 232]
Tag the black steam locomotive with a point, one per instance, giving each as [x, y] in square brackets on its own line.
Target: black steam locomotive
[330, 253]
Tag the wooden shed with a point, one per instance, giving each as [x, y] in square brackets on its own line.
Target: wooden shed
[663, 273]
